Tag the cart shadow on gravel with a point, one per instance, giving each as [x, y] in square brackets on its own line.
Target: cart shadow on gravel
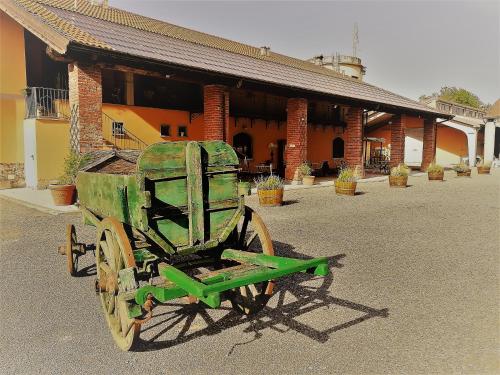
[293, 298]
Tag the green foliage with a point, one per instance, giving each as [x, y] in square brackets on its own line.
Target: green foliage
[400, 170]
[72, 164]
[435, 168]
[456, 95]
[305, 169]
[271, 182]
[347, 174]
[462, 167]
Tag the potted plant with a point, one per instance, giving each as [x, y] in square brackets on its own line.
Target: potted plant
[63, 190]
[346, 181]
[462, 170]
[399, 176]
[435, 172]
[306, 172]
[484, 167]
[270, 190]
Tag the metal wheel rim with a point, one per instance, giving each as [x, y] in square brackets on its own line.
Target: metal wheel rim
[113, 253]
[71, 244]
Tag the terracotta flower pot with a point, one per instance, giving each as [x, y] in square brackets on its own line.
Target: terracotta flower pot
[270, 198]
[63, 195]
[308, 180]
[463, 174]
[345, 187]
[483, 170]
[398, 181]
[435, 176]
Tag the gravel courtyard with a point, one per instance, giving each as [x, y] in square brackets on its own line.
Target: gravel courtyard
[414, 290]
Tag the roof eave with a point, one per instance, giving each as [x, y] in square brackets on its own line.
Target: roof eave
[32, 23]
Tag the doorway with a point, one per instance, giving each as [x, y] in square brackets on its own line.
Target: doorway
[281, 157]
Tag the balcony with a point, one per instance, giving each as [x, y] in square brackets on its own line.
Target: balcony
[42, 102]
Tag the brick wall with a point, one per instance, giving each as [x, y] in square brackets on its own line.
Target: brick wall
[353, 152]
[216, 112]
[296, 135]
[398, 127]
[85, 90]
[429, 147]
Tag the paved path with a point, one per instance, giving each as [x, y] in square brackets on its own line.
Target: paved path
[415, 290]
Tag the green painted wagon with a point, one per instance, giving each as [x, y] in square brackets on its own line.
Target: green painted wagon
[172, 222]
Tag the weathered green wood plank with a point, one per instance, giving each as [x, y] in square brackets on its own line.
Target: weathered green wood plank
[195, 193]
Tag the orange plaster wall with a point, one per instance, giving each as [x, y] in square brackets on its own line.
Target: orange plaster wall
[451, 145]
[261, 136]
[319, 143]
[414, 122]
[145, 122]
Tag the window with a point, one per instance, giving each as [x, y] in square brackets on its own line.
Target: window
[242, 143]
[182, 131]
[117, 128]
[164, 130]
[338, 148]
[113, 86]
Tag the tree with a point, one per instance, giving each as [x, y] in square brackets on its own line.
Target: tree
[457, 95]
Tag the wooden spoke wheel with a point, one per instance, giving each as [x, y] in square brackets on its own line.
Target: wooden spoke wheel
[72, 250]
[114, 253]
[252, 235]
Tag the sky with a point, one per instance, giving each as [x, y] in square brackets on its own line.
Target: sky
[408, 47]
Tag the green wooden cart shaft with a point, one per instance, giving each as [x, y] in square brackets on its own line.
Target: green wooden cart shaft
[268, 268]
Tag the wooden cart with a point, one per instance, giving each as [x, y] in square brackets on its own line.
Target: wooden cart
[173, 223]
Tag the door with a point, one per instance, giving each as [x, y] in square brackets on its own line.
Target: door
[281, 157]
[413, 146]
[30, 153]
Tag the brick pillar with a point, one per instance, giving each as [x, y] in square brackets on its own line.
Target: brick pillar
[216, 112]
[85, 91]
[398, 140]
[429, 147]
[353, 153]
[296, 135]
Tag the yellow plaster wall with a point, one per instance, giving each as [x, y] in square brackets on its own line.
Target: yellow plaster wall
[52, 147]
[12, 82]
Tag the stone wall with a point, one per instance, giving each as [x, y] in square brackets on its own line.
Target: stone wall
[12, 175]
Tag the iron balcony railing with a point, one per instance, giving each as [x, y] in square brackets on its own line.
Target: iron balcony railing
[43, 102]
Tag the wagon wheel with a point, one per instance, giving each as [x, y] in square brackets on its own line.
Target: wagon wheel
[72, 249]
[114, 253]
[252, 235]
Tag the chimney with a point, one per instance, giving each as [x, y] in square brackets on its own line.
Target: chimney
[265, 51]
[318, 60]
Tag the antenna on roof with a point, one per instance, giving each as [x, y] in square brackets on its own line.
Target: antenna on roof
[355, 40]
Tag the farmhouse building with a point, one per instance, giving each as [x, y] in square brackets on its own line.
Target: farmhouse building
[76, 75]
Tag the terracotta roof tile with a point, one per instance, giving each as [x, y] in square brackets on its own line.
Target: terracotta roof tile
[125, 32]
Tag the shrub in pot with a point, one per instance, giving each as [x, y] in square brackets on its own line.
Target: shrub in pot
[63, 190]
[346, 182]
[435, 172]
[270, 190]
[462, 169]
[306, 172]
[484, 167]
[399, 176]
